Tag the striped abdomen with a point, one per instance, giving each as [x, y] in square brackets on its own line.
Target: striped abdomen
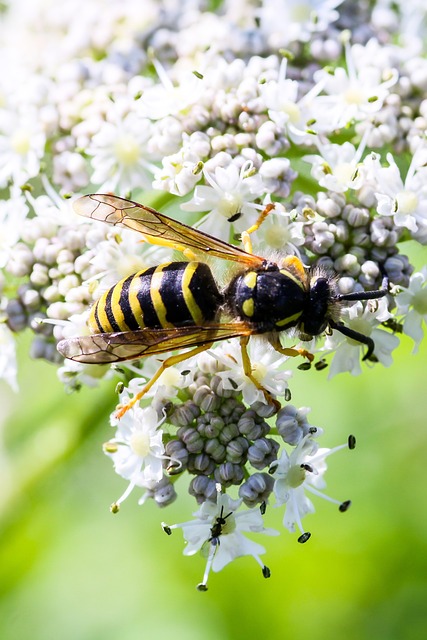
[170, 295]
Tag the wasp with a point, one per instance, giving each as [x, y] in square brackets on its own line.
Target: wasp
[179, 305]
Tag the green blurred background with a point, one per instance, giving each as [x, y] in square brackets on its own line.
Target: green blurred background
[71, 570]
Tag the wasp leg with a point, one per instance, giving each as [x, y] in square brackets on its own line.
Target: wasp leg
[169, 362]
[247, 243]
[291, 351]
[247, 368]
[262, 216]
[190, 255]
[295, 265]
[159, 242]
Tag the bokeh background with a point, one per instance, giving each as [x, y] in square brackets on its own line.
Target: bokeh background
[70, 569]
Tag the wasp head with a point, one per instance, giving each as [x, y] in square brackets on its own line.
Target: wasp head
[321, 305]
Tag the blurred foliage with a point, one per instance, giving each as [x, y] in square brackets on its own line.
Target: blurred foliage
[70, 569]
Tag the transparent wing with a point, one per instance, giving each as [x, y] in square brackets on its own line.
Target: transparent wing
[158, 228]
[107, 348]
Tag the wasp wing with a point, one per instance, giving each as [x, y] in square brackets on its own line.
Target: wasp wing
[107, 348]
[158, 228]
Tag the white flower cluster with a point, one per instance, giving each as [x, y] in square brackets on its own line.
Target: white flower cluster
[138, 455]
[216, 116]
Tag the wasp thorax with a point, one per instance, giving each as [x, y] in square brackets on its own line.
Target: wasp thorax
[270, 298]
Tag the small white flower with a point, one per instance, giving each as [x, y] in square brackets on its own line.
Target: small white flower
[13, 213]
[166, 137]
[364, 320]
[53, 211]
[383, 56]
[279, 232]
[178, 174]
[75, 325]
[403, 200]
[410, 20]
[137, 448]
[121, 255]
[228, 198]
[301, 19]
[277, 175]
[166, 99]
[354, 93]
[22, 144]
[300, 471]
[119, 154]
[75, 375]
[281, 98]
[220, 527]
[167, 385]
[70, 171]
[337, 168]
[287, 109]
[266, 369]
[412, 301]
[8, 362]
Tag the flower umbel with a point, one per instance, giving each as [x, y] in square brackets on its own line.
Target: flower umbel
[315, 167]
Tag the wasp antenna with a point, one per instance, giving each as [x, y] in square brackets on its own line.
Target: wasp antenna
[355, 335]
[365, 295]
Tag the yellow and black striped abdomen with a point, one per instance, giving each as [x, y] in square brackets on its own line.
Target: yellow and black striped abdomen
[169, 295]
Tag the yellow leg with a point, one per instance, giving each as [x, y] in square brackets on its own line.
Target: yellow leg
[247, 368]
[295, 265]
[247, 244]
[159, 242]
[262, 216]
[169, 362]
[190, 255]
[290, 351]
